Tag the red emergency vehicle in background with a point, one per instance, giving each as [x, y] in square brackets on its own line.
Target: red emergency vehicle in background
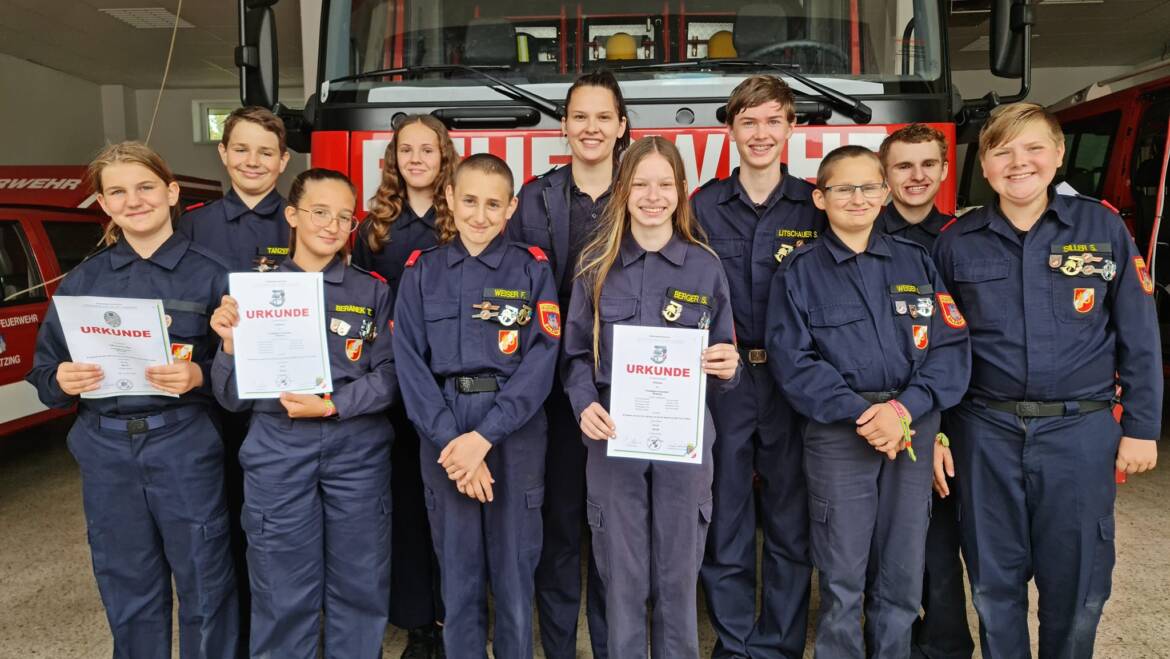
[49, 223]
[496, 73]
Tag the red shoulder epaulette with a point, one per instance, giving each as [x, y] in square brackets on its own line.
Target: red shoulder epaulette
[537, 253]
[1109, 206]
[412, 258]
[378, 277]
[948, 224]
[194, 206]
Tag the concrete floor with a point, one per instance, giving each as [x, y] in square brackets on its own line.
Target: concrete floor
[49, 605]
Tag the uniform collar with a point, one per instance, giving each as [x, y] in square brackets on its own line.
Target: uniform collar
[491, 256]
[675, 250]
[234, 208]
[559, 177]
[167, 255]
[334, 273]
[877, 245]
[408, 215]
[992, 218]
[573, 189]
[893, 221]
[788, 188]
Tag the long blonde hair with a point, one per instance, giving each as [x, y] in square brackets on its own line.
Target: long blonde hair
[598, 256]
[128, 152]
[390, 198]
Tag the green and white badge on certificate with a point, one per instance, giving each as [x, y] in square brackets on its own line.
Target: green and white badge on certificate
[658, 393]
[280, 343]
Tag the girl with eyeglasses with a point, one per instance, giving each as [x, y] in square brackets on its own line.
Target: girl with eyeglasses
[317, 468]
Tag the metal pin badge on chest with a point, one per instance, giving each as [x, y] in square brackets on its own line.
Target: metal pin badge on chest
[924, 306]
[487, 310]
[901, 308]
[783, 251]
[339, 326]
[509, 315]
[1107, 270]
[524, 316]
[672, 311]
[705, 320]
[367, 332]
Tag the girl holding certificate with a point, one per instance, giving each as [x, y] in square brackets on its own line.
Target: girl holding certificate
[418, 165]
[317, 468]
[647, 265]
[151, 466]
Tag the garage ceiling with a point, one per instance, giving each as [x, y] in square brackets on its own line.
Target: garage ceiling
[77, 37]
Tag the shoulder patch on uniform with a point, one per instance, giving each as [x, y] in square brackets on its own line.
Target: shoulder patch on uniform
[192, 207]
[1143, 274]
[410, 260]
[950, 311]
[549, 314]
[948, 224]
[537, 253]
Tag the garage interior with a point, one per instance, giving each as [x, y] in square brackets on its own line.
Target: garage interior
[76, 74]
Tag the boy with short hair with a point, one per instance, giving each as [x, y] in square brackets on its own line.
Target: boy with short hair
[867, 344]
[1061, 313]
[476, 338]
[914, 158]
[754, 219]
[246, 227]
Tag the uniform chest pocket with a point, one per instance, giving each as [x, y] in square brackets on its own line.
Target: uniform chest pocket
[537, 234]
[727, 249]
[615, 309]
[442, 327]
[1077, 299]
[843, 334]
[912, 315]
[983, 285]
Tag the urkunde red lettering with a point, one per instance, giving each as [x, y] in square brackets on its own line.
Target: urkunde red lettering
[277, 313]
[667, 371]
[110, 331]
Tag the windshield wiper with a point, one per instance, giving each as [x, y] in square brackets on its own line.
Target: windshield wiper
[509, 89]
[846, 104]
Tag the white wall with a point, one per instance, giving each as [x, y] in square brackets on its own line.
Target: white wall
[173, 134]
[47, 117]
[1048, 85]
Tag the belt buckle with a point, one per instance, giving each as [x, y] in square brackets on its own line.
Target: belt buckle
[136, 426]
[757, 356]
[1027, 408]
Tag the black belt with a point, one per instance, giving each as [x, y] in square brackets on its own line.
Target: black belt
[876, 397]
[475, 384]
[141, 424]
[1031, 408]
[754, 356]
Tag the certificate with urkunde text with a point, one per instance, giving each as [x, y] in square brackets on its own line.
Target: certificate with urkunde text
[121, 335]
[280, 343]
[658, 393]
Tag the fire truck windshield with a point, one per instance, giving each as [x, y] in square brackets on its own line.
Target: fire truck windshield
[857, 47]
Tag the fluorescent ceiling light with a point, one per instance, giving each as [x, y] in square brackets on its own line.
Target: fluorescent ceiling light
[146, 18]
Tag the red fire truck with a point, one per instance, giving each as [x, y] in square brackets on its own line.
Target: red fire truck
[497, 72]
[49, 223]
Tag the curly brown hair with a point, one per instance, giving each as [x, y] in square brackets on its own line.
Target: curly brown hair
[390, 198]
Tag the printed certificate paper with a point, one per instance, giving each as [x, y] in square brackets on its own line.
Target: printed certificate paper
[122, 335]
[658, 393]
[280, 343]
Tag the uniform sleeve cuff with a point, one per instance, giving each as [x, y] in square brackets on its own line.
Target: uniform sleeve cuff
[1144, 431]
[917, 403]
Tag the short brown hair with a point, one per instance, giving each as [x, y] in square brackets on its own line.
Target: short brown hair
[262, 117]
[758, 90]
[479, 163]
[913, 134]
[825, 169]
[1008, 121]
[129, 152]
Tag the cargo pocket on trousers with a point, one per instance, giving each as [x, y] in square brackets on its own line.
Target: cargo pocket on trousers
[252, 521]
[705, 509]
[211, 555]
[99, 554]
[1101, 583]
[534, 518]
[595, 518]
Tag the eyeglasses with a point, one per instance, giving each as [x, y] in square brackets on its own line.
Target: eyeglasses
[844, 192]
[322, 218]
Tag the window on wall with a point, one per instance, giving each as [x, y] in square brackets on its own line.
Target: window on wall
[208, 118]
